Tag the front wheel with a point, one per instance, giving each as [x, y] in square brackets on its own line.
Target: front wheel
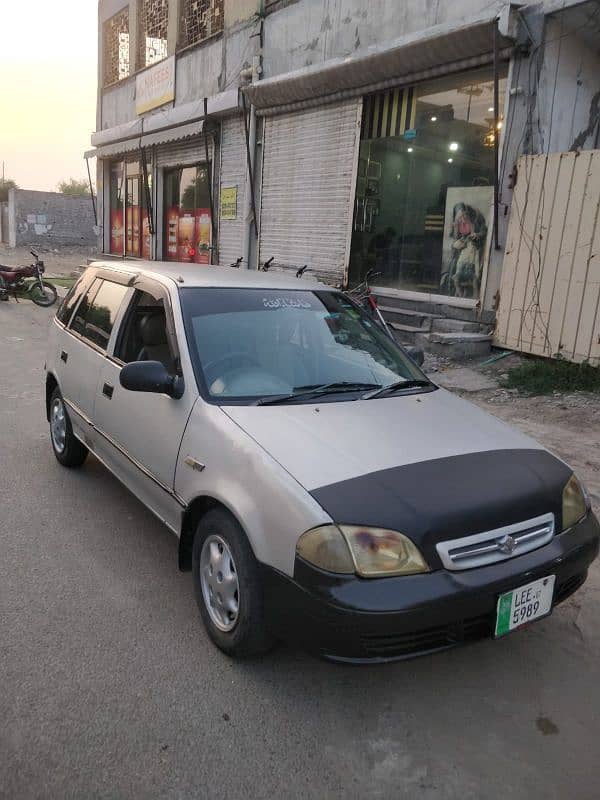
[69, 451]
[43, 293]
[228, 588]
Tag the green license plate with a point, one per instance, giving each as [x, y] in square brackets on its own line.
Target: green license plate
[524, 604]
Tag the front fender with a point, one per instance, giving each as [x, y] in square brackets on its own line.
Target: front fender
[270, 505]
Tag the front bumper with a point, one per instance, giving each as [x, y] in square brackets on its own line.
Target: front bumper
[347, 618]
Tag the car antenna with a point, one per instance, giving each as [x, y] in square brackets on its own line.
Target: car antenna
[301, 271]
[267, 264]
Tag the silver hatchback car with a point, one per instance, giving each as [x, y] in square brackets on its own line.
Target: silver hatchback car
[323, 489]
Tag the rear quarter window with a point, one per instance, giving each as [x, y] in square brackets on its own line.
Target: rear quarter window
[74, 295]
[96, 314]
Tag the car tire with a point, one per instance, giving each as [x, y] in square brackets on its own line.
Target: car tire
[69, 451]
[227, 587]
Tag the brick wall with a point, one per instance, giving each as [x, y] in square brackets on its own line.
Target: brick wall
[50, 218]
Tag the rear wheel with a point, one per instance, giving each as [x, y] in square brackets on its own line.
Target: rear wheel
[43, 293]
[67, 448]
[227, 587]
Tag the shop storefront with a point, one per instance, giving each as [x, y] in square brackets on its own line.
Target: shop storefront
[387, 161]
[160, 203]
[423, 209]
[166, 191]
[187, 214]
[130, 224]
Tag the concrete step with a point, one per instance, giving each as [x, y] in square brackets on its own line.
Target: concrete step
[463, 310]
[407, 316]
[441, 325]
[405, 334]
[458, 346]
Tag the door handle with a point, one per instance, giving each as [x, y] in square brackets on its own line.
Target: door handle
[107, 390]
[64, 356]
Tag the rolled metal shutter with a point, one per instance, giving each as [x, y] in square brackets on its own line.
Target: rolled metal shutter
[187, 151]
[309, 175]
[233, 174]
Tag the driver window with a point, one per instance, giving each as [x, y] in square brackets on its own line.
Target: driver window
[144, 336]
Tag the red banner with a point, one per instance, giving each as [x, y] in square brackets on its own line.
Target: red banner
[172, 233]
[203, 236]
[185, 236]
[145, 235]
[116, 231]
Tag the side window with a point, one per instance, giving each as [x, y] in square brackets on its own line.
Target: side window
[75, 293]
[144, 332]
[97, 312]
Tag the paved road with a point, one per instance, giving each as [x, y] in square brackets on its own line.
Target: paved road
[109, 687]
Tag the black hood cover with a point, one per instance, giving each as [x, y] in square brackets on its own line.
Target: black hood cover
[447, 498]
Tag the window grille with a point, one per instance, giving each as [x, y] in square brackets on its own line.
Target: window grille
[116, 47]
[153, 24]
[199, 20]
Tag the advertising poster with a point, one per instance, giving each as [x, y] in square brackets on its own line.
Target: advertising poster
[229, 202]
[467, 225]
[145, 235]
[185, 237]
[203, 236]
[116, 231]
[172, 232]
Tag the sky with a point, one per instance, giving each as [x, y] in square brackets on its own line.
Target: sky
[48, 63]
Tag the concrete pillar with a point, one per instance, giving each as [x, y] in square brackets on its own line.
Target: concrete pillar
[134, 15]
[173, 29]
[12, 217]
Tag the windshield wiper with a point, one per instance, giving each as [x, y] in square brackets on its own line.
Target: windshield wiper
[307, 392]
[398, 386]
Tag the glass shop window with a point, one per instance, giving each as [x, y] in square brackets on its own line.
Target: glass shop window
[188, 227]
[425, 187]
[129, 223]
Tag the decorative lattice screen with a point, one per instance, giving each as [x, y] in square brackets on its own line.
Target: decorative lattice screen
[116, 47]
[199, 20]
[153, 25]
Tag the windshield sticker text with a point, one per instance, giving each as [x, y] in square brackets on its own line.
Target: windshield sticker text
[285, 302]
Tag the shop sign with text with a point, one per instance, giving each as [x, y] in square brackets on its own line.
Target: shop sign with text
[155, 86]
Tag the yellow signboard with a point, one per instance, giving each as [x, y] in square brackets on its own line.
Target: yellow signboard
[155, 86]
[229, 202]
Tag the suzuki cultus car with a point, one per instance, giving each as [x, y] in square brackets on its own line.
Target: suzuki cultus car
[324, 490]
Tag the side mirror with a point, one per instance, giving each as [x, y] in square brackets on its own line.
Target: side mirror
[151, 376]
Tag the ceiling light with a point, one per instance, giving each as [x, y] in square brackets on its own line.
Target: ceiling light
[491, 108]
[450, 160]
[499, 126]
[434, 119]
[409, 150]
[453, 146]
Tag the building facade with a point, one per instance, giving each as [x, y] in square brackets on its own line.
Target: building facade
[345, 135]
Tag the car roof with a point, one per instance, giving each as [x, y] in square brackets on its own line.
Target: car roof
[213, 275]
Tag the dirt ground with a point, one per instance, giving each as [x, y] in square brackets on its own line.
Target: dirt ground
[567, 424]
[64, 261]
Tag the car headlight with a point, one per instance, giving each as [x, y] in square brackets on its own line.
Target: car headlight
[575, 502]
[368, 552]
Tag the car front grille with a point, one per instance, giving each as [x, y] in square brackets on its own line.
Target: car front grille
[500, 544]
[438, 638]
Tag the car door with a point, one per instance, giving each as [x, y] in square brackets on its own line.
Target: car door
[82, 348]
[140, 432]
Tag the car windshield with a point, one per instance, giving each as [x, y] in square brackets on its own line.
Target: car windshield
[260, 346]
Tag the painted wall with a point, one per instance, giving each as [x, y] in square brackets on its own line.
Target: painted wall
[50, 218]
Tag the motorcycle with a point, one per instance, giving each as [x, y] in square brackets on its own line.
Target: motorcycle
[15, 279]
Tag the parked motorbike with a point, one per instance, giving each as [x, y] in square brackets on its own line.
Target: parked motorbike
[16, 279]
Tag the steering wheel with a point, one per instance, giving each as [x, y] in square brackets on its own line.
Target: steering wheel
[226, 364]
